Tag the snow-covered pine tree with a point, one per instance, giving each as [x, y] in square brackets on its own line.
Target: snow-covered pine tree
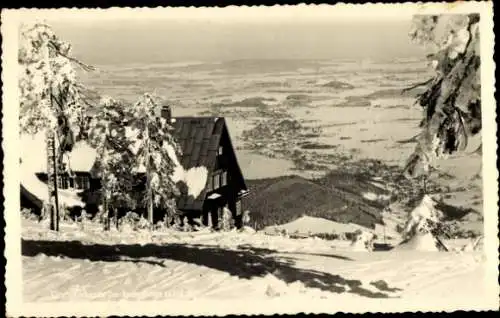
[49, 92]
[48, 82]
[155, 146]
[107, 135]
[452, 99]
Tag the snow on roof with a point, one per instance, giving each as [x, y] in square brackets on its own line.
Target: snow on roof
[82, 157]
[214, 196]
[31, 163]
[178, 174]
[33, 154]
[195, 178]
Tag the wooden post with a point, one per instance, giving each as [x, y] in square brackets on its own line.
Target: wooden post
[56, 194]
[107, 225]
[115, 216]
[52, 180]
[425, 185]
[385, 242]
[50, 174]
[150, 213]
[149, 207]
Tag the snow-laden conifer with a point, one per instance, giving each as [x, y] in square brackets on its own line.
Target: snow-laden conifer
[48, 82]
[424, 227]
[107, 135]
[152, 138]
[452, 98]
[50, 98]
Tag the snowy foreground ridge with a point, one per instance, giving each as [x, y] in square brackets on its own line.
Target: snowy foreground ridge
[91, 265]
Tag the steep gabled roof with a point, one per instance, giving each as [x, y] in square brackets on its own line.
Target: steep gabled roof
[199, 139]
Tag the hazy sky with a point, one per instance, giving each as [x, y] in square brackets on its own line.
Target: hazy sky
[166, 39]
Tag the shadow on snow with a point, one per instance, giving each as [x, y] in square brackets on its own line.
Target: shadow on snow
[246, 264]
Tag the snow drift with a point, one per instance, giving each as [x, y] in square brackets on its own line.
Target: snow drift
[363, 241]
[474, 245]
[307, 224]
[425, 242]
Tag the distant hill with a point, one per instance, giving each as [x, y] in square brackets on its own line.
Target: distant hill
[357, 185]
[283, 199]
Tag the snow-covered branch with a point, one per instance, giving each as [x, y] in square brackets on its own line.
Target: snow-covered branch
[452, 100]
[47, 80]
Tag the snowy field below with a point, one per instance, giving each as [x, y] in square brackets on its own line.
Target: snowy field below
[80, 265]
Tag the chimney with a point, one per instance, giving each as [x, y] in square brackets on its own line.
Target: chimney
[166, 112]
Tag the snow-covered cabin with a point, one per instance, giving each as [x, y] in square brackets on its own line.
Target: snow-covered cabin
[205, 142]
[208, 161]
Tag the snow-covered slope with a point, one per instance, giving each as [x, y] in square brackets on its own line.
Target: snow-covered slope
[314, 225]
[425, 242]
[228, 266]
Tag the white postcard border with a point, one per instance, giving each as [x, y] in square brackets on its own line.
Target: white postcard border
[10, 142]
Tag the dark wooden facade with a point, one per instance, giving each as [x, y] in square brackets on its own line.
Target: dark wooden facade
[205, 141]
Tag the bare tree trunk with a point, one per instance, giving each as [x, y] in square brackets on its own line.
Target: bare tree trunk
[107, 225]
[149, 191]
[56, 195]
[52, 181]
[150, 213]
[115, 217]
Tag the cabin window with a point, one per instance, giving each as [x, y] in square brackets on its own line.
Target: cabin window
[223, 180]
[86, 183]
[220, 151]
[82, 182]
[78, 182]
[216, 181]
[62, 182]
[238, 207]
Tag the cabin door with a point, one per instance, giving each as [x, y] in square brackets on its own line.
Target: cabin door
[215, 214]
[218, 214]
[205, 215]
